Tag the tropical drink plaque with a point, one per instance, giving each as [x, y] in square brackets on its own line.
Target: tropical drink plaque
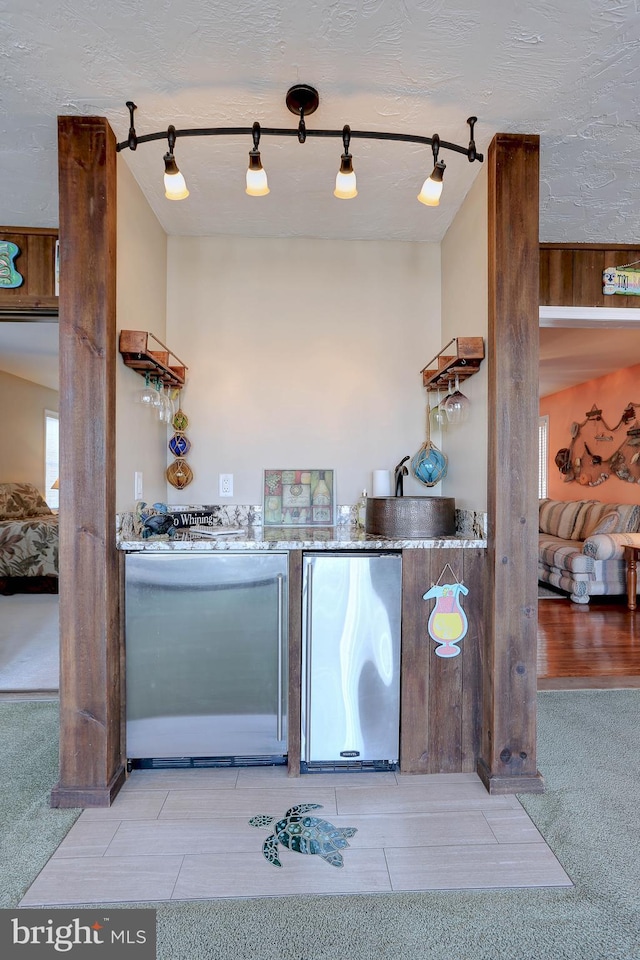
[448, 623]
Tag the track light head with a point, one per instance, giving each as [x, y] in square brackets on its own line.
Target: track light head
[257, 185]
[175, 187]
[346, 178]
[432, 187]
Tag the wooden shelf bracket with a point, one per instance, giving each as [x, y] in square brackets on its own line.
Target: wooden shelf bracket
[462, 361]
[136, 352]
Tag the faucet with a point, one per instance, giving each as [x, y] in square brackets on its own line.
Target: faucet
[399, 473]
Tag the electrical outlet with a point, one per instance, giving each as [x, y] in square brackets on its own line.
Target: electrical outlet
[225, 485]
[137, 485]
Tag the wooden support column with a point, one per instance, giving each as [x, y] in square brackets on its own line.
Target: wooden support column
[91, 755]
[508, 753]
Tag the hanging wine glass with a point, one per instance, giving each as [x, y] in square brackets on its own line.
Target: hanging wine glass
[147, 395]
[429, 465]
[437, 416]
[165, 411]
[456, 405]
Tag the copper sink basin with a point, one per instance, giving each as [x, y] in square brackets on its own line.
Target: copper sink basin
[411, 517]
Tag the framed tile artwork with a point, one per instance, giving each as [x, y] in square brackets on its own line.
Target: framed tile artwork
[299, 498]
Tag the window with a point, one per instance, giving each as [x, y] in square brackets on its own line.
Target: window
[543, 456]
[51, 458]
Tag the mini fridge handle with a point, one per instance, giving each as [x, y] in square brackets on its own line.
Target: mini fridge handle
[307, 653]
[281, 657]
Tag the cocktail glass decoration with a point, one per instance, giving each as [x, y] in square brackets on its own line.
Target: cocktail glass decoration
[448, 623]
[429, 464]
[456, 406]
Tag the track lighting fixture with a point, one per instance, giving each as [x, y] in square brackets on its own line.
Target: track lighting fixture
[346, 178]
[302, 100]
[257, 185]
[175, 187]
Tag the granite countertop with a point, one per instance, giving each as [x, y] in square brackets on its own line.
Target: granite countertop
[342, 537]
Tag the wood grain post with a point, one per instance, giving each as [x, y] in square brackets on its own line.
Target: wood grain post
[508, 758]
[91, 757]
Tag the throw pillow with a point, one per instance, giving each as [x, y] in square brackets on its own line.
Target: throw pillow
[607, 524]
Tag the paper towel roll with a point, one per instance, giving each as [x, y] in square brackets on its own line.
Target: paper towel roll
[381, 483]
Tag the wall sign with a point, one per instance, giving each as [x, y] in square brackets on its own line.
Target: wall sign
[621, 280]
[9, 276]
[448, 623]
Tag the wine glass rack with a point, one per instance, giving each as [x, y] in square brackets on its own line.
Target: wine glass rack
[446, 365]
[135, 348]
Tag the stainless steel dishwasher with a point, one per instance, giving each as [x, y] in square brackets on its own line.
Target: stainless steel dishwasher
[351, 661]
[206, 664]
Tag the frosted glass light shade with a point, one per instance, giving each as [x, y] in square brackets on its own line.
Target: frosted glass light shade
[345, 186]
[175, 187]
[346, 179]
[430, 193]
[432, 187]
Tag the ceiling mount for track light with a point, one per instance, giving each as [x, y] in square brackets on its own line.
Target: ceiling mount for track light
[303, 100]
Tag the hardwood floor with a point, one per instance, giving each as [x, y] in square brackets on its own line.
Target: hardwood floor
[588, 645]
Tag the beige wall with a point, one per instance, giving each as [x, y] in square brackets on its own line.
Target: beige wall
[465, 314]
[22, 438]
[301, 353]
[141, 305]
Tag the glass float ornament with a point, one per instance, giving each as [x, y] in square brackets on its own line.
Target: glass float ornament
[179, 474]
[447, 622]
[179, 445]
[180, 421]
[429, 464]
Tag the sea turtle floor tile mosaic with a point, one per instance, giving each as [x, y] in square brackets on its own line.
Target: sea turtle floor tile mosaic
[304, 834]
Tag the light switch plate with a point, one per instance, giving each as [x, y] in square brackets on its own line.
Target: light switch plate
[137, 485]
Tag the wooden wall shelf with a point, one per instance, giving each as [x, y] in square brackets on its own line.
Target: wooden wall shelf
[462, 361]
[136, 352]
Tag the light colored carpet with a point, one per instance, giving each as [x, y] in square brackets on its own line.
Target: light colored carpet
[589, 754]
[29, 644]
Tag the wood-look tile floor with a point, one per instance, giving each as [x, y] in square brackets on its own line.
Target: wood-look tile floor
[185, 834]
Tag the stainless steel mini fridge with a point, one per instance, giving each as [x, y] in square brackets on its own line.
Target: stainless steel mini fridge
[351, 661]
[206, 658]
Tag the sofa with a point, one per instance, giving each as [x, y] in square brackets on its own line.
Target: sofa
[581, 546]
[28, 541]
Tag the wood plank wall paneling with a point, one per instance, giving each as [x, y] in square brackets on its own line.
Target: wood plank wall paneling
[571, 274]
[440, 698]
[508, 759]
[294, 717]
[36, 263]
[91, 756]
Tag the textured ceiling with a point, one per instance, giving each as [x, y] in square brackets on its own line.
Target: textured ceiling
[567, 70]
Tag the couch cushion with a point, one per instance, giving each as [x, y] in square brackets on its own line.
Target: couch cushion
[20, 501]
[563, 518]
[607, 524]
[593, 515]
[629, 518]
[564, 555]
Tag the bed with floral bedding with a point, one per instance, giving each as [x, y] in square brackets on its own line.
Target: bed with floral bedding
[28, 541]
